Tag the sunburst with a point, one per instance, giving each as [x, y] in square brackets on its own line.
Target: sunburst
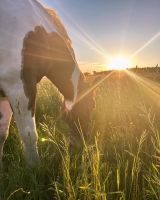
[119, 63]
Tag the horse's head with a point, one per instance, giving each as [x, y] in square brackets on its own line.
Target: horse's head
[79, 116]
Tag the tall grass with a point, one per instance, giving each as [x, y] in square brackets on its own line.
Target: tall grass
[120, 162]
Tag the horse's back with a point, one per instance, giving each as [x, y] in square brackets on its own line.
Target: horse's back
[17, 19]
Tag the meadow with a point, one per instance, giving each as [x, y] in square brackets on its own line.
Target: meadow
[119, 161]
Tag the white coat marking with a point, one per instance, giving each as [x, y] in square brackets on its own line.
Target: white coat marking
[75, 80]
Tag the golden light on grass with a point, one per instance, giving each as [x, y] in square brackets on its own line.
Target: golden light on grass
[43, 139]
[119, 63]
[152, 88]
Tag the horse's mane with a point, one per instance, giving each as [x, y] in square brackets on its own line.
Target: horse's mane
[59, 25]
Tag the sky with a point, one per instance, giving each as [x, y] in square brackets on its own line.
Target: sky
[103, 29]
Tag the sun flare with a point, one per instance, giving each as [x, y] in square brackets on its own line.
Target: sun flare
[118, 63]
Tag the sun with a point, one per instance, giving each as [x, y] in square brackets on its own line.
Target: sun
[119, 63]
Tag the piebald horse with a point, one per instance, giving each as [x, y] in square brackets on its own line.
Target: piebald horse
[34, 44]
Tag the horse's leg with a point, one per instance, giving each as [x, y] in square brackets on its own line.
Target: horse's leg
[25, 121]
[5, 118]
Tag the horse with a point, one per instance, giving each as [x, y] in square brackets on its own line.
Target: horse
[35, 44]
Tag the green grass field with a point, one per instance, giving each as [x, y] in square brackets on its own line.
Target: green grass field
[120, 161]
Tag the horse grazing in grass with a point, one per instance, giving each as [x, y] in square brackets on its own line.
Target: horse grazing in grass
[34, 44]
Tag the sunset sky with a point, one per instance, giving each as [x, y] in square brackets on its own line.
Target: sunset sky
[102, 29]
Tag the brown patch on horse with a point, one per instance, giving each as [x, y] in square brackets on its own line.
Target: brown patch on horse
[46, 54]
